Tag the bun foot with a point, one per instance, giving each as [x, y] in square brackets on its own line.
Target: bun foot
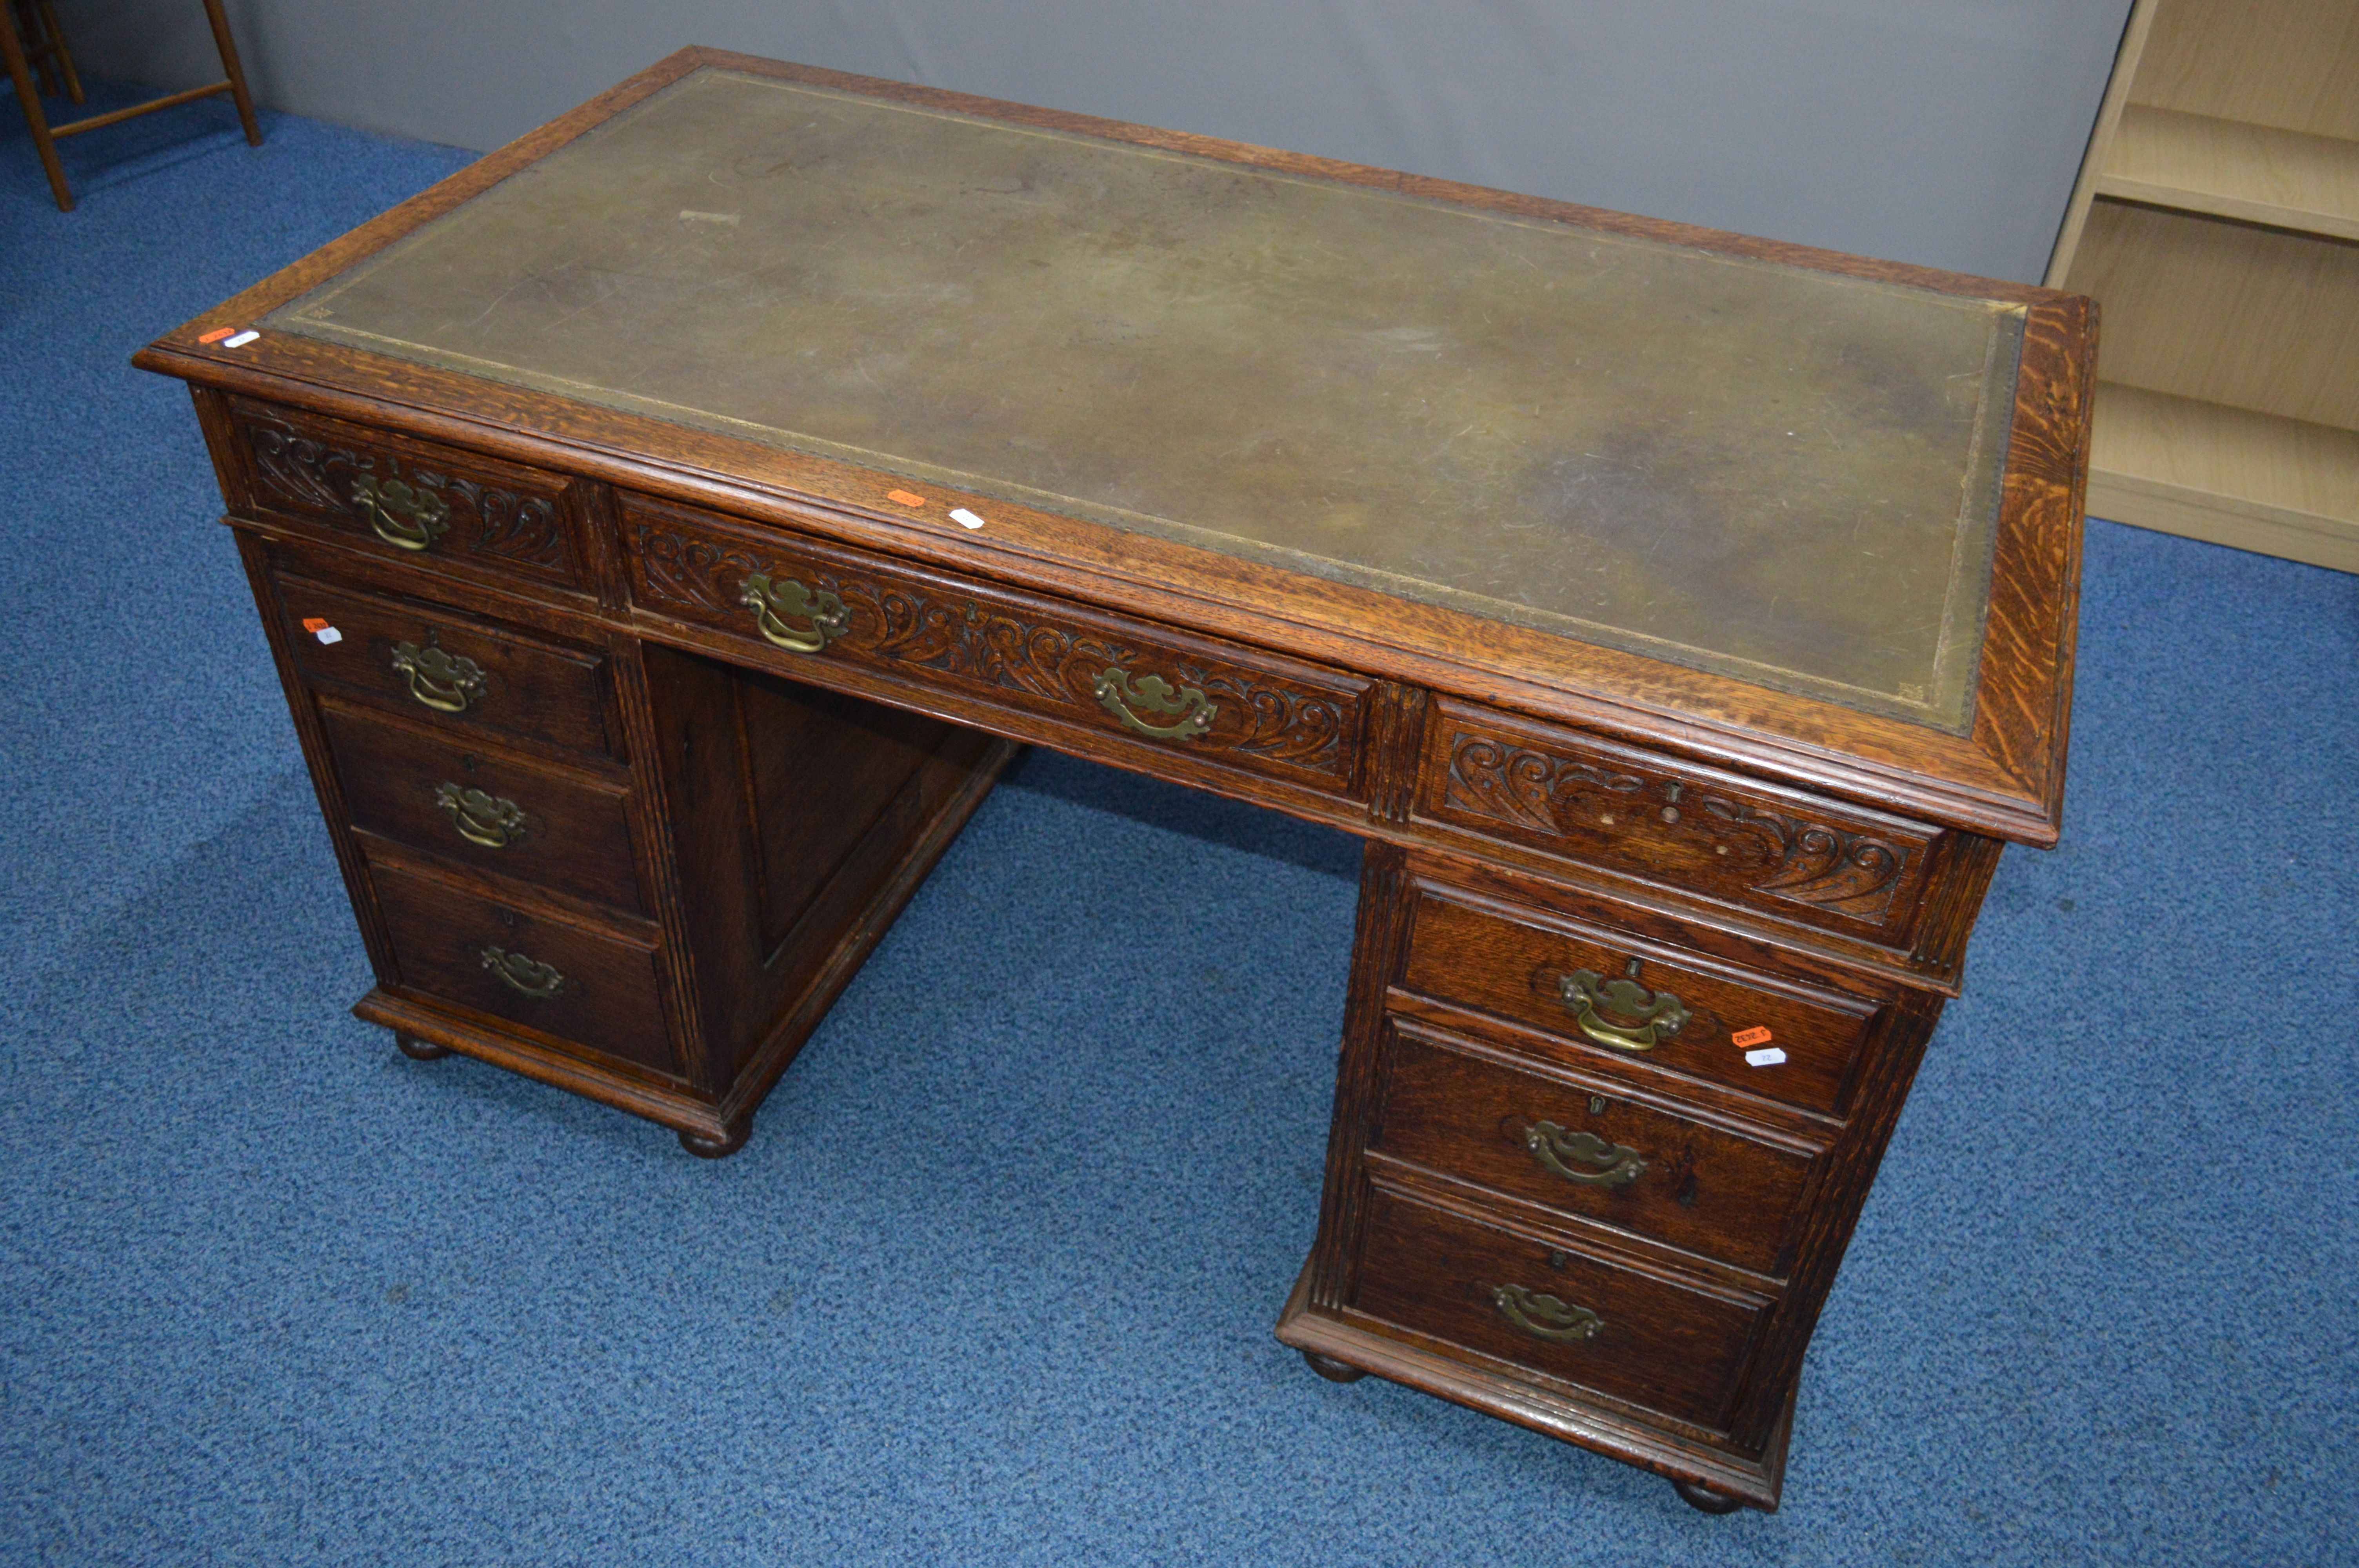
[1334, 1371]
[418, 1049]
[1704, 1500]
[719, 1148]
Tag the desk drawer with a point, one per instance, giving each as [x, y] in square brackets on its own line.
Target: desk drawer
[487, 808]
[408, 500]
[1240, 706]
[587, 986]
[1587, 1147]
[447, 670]
[1575, 981]
[1685, 826]
[1540, 1302]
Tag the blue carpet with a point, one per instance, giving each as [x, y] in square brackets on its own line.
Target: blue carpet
[995, 1280]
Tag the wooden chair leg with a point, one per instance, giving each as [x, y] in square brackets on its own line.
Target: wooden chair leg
[31, 97]
[233, 70]
[57, 41]
[28, 39]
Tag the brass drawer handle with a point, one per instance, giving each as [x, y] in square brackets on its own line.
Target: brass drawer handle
[522, 975]
[786, 599]
[444, 682]
[404, 517]
[1656, 1015]
[481, 818]
[1119, 695]
[1545, 1316]
[1615, 1164]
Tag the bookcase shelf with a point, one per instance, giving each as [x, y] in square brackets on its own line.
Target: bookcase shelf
[2216, 221]
[2252, 173]
[2284, 487]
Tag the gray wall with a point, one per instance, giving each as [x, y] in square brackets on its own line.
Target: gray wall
[1943, 132]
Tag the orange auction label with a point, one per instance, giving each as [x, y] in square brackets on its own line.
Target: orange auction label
[217, 334]
[905, 498]
[1751, 1037]
[313, 623]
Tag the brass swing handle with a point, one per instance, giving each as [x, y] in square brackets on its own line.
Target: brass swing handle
[777, 603]
[1545, 1316]
[444, 682]
[1124, 697]
[1656, 1015]
[406, 517]
[523, 975]
[492, 822]
[1607, 1164]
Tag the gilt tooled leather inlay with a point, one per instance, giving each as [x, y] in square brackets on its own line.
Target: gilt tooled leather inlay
[1840, 871]
[1296, 727]
[315, 475]
[1788, 476]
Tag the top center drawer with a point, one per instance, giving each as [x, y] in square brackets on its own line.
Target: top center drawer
[1126, 680]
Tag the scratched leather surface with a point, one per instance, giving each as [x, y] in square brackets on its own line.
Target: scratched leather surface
[1765, 472]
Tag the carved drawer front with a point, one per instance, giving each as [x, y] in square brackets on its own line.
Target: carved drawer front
[447, 670]
[1241, 707]
[486, 808]
[1697, 829]
[589, 987]
[408, 500]
[1618, 1000]
[1586, 1147]
[1540, 1303]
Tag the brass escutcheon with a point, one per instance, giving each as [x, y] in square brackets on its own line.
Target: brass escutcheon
[444, 682]
[481, 818]
[1544, 1315]
[1615, 1164]
[522, 975]
[786, 599]
[1120, 696]
[406, 517]
[1654, 1016]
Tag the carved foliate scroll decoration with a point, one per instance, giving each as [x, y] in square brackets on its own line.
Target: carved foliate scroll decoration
[315, 475]
[963, 640]
[1525, 788]
[1826, 867]
[1840, 871]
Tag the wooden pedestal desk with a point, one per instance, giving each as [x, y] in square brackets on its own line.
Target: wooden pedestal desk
[667, 527]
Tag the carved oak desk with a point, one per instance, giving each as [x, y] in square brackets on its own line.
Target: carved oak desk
[667, 527]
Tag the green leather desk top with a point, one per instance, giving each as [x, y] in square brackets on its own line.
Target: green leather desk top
[1774, 473]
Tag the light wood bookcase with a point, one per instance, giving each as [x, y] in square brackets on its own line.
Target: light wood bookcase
[2216, 221]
